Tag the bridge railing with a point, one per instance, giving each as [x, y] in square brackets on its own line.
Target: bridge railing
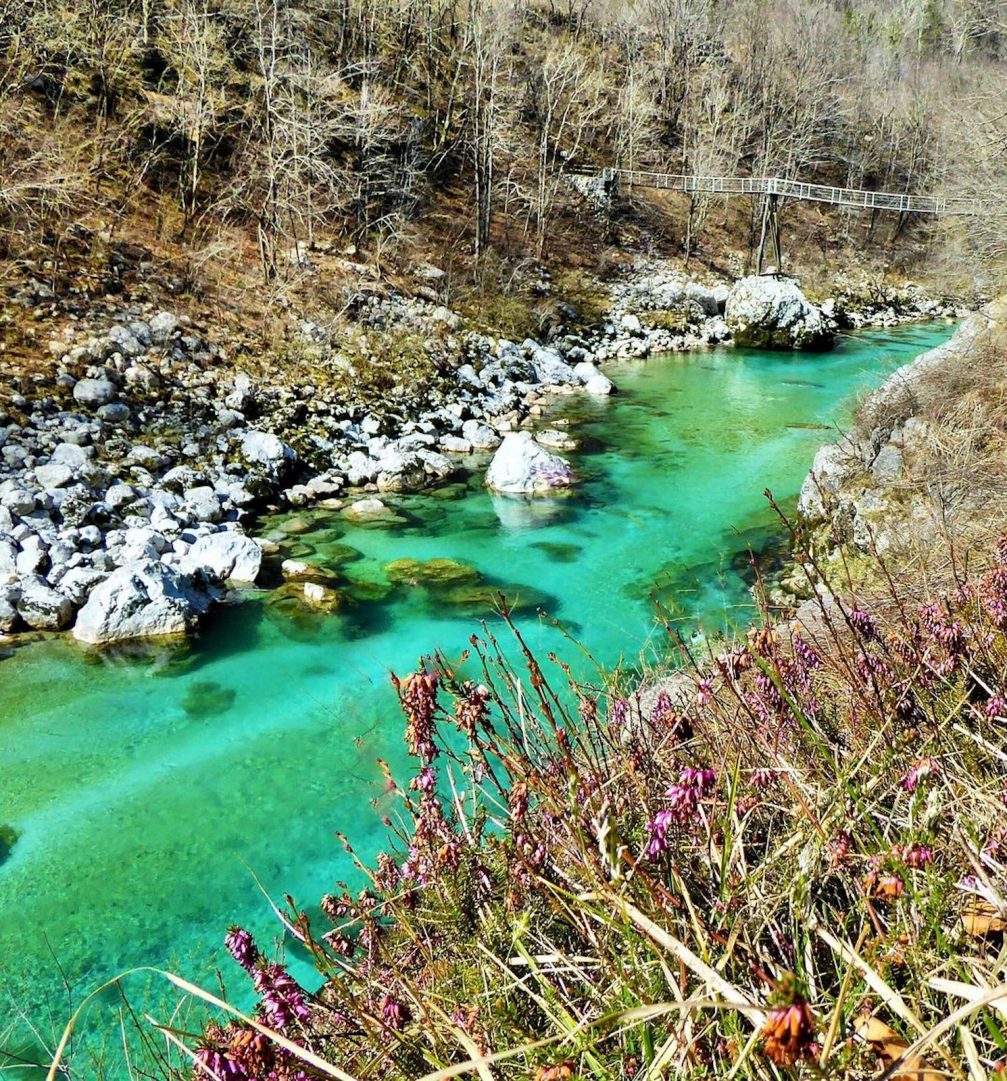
[791, 189]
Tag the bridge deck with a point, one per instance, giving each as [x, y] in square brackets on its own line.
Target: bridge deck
[792, 189]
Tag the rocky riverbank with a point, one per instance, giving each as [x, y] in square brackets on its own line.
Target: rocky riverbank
[922, 464]
[130, 473]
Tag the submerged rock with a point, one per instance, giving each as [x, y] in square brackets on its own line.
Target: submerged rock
[8, 838]
[323, 597]
[520, 465]
[766, 312]
[208, 699]
[368, 510]
[141, 600]
[431, 572]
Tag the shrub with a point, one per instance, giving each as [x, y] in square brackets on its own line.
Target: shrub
[790, 855]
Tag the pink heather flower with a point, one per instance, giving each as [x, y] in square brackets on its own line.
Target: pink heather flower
[925, 767]
[996, 706]
[282, 998]
[763, 778]
[618, 712]
[705, 691]
[683, 808]
[472, 710]
[388, 876]
[806, 653]
[839, 848]
[395, 1014]
[213, 1063]
[914, 855]
[418, 695]
[241, 946]
[663, 712]
[425, 780]
[863, 623]
[883, 887]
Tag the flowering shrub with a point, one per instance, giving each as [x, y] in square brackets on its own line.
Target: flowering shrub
[807, 832]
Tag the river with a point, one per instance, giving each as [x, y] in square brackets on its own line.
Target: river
[148, 789]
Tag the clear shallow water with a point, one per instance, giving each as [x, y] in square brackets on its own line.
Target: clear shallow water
[147, 790]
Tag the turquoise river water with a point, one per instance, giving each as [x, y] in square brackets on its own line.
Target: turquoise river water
[147, 790]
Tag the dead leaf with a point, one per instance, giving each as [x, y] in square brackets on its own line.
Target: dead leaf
[562, 1071]
[981, 918]
[888, 1045]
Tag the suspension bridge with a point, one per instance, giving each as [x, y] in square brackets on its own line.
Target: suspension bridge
[775, 189]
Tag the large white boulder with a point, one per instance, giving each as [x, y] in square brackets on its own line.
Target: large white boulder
[140, 600]
[227, 556]
[521, 465]
[767, 312]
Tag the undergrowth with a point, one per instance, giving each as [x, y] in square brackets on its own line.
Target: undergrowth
[790, 860]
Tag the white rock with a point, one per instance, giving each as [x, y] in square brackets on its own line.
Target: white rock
[162, 327]
[556, 440]
[549, 366]
[78, 582]
[767, 312]
[41, 606]
[600, 385]
[833, 464]
[227, 556]
[267, 450]
[293, 569]
[481, 436]
[521, 465]
[8, 560]
[53, 475]
[203, 504]
[361, 469]
[320, 596]
[140, 600]
[365, 509]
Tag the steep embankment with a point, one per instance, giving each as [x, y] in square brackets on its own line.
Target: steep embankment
[925, 463]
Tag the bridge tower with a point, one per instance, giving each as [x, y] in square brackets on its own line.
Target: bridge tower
[770, 229]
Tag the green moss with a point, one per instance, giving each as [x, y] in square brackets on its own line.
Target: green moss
[8, 838]
[431, 574]
[208, 699]
[674, 320]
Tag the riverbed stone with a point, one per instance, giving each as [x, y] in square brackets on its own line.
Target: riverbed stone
[267, 451]
[227, 556]
[94, 393]
[146, 599]
[887, 466]
[53, 475]
[520, 465]
[480, 435]
[368, 510]
[41, 607]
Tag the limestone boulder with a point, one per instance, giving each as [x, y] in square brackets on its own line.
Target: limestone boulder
[141, 600]
[521, 465]
[769, 312]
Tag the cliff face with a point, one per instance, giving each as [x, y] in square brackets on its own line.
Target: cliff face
[925, 460]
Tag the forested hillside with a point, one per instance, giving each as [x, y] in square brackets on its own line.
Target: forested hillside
[226, 136]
